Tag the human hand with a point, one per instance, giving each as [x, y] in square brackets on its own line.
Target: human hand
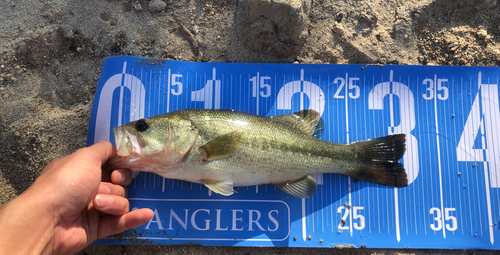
[68, 206]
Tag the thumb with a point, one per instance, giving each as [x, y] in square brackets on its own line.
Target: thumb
[103, 150]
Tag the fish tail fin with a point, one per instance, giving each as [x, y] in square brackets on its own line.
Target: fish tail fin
[380, 156]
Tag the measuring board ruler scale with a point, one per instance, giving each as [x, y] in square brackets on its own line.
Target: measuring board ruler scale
[450, 115]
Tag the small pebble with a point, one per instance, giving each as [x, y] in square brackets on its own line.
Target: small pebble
[482, 33]
[338, 29]
[492, 4]
[156, 6]
[196, 29]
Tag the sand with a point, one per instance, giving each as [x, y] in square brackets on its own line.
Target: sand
[52, 51]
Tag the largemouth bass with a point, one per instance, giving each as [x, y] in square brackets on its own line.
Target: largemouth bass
[222, 149]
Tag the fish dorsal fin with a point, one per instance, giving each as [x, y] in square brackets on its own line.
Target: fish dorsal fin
[307, 121]
[223, 146]
[224, 188]
[303, 188]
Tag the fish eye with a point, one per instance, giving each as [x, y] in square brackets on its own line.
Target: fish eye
[141, 125]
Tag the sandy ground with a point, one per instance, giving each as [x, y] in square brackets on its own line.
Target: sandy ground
[51, 53]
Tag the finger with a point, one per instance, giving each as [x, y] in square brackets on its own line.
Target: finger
[110, 204]
[110, 225]
[121, 177]
[107, 188]
[103, 150]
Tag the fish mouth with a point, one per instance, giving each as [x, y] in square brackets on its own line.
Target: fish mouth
[126, 143]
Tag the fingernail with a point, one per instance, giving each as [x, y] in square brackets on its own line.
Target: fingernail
[103, 189]
[103, 201]
[119, 177]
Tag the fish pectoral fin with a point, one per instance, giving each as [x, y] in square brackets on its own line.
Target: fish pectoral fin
[303, 188]
[308, 122]
[223, 146]
[224, 188]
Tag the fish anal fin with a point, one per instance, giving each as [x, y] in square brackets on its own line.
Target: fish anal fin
[302, 188]
[381, 164]
[308, 122]
[224, 188]
[223, 146]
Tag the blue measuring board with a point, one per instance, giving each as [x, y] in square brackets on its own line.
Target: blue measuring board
[450, 115]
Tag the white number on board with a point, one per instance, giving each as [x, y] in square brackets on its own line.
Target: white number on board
[407, 119]
[178, 90]
[305, 88]
[451, 220]
[353, 88]
[482, 124]
[210, 94]
[431, 91]
[259, 82]
[356, 216]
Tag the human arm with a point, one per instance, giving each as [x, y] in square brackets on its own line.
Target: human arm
[65, 209]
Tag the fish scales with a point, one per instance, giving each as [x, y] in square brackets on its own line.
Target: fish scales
[289, 151]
